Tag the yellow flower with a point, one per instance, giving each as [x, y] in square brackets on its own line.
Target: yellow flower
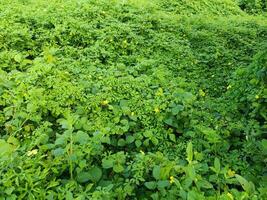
[230, 196]
[202, 93]
[32, 152]
[132, 113]
[171, 179]
[143, 153]
[229, 87]
[231, 173]
[104, 103]
[156, 110]
[257, 96]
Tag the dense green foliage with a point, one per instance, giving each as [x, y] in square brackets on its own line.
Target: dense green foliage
[133, 99]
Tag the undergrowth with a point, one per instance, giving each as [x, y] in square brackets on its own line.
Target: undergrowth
[133, 99]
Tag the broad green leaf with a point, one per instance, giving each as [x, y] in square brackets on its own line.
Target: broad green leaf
[83, 177]
[172, 137]
[58, 152]
[156, 172]
[81, 137]
[163, 184]
[107, 163]
[129, 139]
[151, 185]
[155, 141]
[118, 168]
[5, 148]
[69, 195]
[177, 109]
[121, 142]
[95, 174]
[18, 58]
[138, 143]
[12, 140]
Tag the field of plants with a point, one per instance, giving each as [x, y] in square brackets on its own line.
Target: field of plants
[133, 99]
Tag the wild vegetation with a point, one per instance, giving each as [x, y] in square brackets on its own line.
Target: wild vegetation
[133, 99]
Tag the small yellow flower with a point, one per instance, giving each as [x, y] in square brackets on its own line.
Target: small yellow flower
[230, 196]
[171, 179]
[257, 97]
[231, 173]
[32, 152]
[202, 93]
[156, 110]
[229, 87]
[132, 113]
[104, 103]
[143, 153]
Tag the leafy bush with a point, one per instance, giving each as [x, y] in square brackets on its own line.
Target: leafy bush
[132, 100]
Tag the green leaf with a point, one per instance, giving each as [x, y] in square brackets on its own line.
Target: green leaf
[163, 184]
[247, 186]
[12, 140]
[191, 172]
[177, 109]
[151, 185]
[118, 168]
[83, 177]
[107, 163]
[148, 134]
[217, 165]
[172, 137]
[156, 172]
[189, 151]
[18, 58]
[95, 174]
[121, 142]
[138, 143]
[155, 141]
[69, 195]
[204, 184]
[5, 148]
[81, 137]
[129, 139]
[58, 152]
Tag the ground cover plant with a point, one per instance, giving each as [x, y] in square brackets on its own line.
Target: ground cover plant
[133, 99]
